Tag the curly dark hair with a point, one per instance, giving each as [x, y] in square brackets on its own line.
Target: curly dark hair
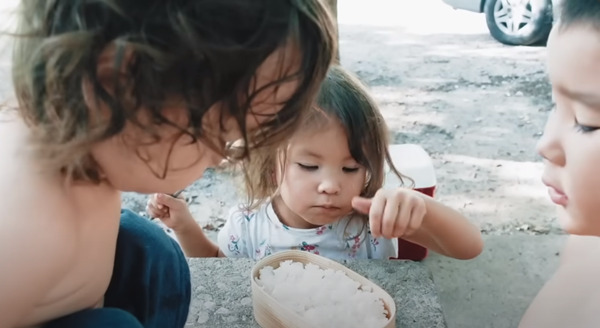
[203, 51]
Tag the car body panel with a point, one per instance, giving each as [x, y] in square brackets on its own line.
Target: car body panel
[470, 5]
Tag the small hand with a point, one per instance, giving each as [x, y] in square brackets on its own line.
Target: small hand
[172, 211]
[393, 213]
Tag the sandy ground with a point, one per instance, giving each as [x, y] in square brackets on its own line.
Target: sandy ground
[475, 105]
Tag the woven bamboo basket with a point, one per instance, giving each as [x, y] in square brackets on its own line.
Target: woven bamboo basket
[269, 313]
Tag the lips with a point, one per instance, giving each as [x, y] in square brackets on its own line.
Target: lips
[327, 207]
[556, 194]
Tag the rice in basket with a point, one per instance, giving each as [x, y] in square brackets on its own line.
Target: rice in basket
[323, 297]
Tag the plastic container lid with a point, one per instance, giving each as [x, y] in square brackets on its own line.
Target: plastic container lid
[412, 161]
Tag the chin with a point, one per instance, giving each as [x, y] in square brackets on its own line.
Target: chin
[583, 232]
[566, 222]
[320, 221]
[578, 226]
[151, 185]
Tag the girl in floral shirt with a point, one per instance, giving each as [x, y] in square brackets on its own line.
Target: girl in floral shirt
[322, 193]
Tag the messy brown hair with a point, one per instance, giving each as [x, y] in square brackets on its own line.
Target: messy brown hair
[203, 51]
[344, 99]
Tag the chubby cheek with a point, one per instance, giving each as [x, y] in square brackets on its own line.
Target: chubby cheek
[161, 167]
[355, 184]
[582, 215]
[296, 187]
[194, 156]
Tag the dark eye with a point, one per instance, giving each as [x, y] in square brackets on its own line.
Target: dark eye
[584, 128]
[307, 167]
[350, 169]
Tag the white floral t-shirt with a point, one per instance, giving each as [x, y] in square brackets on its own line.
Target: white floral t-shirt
[259, 233]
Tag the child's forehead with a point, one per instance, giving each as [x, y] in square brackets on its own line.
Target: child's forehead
[316, 129]
[326, 142]
[574, 60]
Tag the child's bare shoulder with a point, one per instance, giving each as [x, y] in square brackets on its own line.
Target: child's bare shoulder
[26, 189]
[37, 239]
[570, 298]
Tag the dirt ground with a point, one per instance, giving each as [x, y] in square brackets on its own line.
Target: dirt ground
[475, 105]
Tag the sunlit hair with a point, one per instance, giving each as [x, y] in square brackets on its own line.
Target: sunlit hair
[200, 51]
[342, 100]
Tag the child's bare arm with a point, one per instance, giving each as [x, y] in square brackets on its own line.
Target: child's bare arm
[446, 231]
[175, 213]
[36, 249]
[411, 215]
[196, 244]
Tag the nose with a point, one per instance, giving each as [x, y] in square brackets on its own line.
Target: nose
[550, 146]
[329, 185]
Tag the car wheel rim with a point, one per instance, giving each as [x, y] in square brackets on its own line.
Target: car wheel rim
[512, 16]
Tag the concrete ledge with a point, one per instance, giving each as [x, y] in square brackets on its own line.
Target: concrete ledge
[492, 290]
[495, 289]
[221, 295]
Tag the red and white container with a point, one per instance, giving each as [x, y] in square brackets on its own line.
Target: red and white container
[414, 162]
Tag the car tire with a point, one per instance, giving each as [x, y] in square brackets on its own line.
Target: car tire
[499, 13]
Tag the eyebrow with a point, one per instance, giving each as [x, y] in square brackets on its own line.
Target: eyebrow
[589, 99]
[310, 153]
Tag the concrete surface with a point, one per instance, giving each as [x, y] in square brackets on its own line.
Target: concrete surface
[494, 290]
[491, 291]
[222, 295]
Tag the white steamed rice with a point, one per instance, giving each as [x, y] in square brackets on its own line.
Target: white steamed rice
[325, 298]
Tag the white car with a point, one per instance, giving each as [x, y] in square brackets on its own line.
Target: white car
[513, 22]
